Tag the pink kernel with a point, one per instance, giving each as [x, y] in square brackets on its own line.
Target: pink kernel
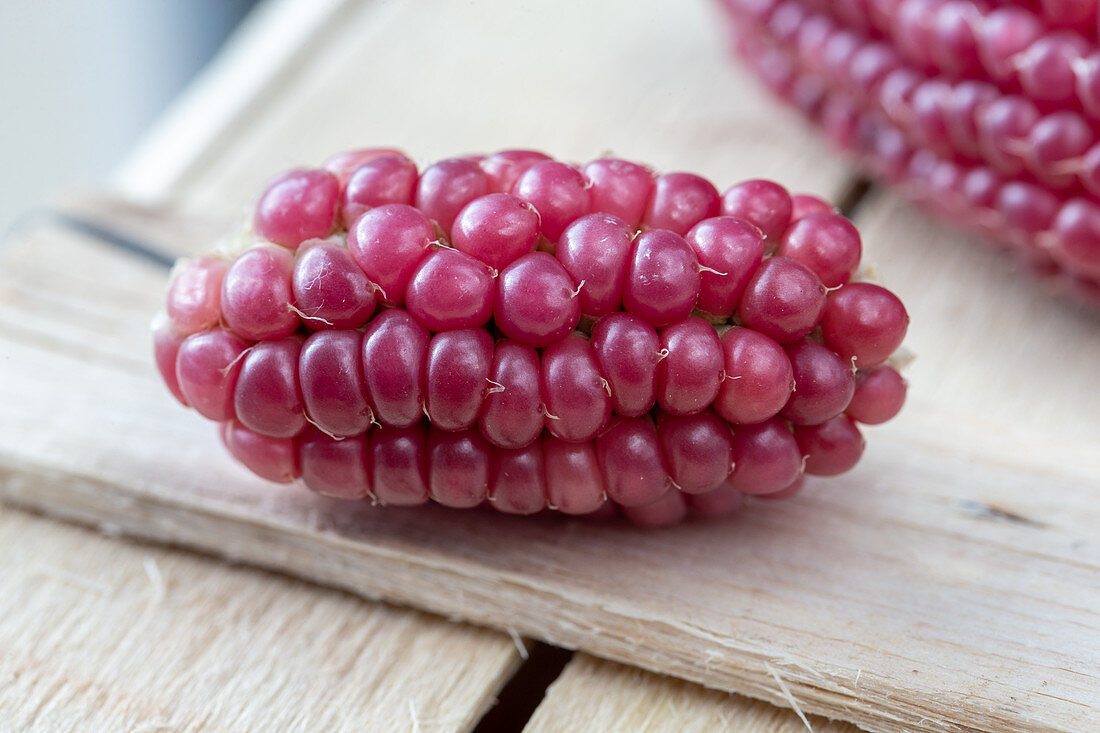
[680, 201]
[267, 398]
[395, 348]
[1077, 230]
[497, 229]
[558, 191]
[912, 29]
[456, 375]
[573, 481]
[784, 299]
[256, 294]
[330, 291]
[766, 458]
[342, 165]
[194, 294]
[330, 371]
[831, 447]
[1088, 83]
[577, 399]
[878, 397]
[787, 492]
[698, 450]
[689, 375]
[511, 414]
[386, 179]
[207, 366]
[535, 301]
[719, 502]
[1090, 170]
[399, 465]
[336, 468]
[595, 250]
[824, 384]
[967, 99]
[929, 107]
[450, 289]
[298, 205]
[869, 65]
[458, 467]
[517, 482]
[954, 42]
[631, 462]
[388, 244]
[864, 322]
[1027, 207]
[1002, 126]
[730, 249]
[1004, 33]
[758, 377]
[662, 278]
[894, 98]
[804, 204]
[1055, 144]
[666, 511]
[166, 347]
[505, 168]
[620, 188]
[627, 352]
[828, 244]
[274, 459]
[1046, 70]
[447, 186]
[765, 204]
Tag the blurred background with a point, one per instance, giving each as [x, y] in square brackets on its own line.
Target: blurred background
[82, 80]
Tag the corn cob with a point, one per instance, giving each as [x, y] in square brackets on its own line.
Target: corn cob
[515, 331]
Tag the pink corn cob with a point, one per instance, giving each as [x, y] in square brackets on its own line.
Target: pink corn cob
[898, 84]
[515, 331]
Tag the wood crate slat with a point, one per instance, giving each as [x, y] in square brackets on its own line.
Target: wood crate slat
[934, 586]
[441, 79]
[594, 694]
[97, 634]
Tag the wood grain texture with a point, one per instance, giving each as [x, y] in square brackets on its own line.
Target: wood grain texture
[101, 634]
[649, 81]
[950, 582]
[597, 695]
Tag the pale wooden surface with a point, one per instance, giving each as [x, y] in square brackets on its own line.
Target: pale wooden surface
[950, 582]
[597, 695]
[895, 597]
[650, 81]
[100, 634]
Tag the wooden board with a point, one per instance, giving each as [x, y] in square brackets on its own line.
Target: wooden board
[950, 583]
[594, 694]
[650, 81]
[286, 46]
[99, 634]
[937, 585]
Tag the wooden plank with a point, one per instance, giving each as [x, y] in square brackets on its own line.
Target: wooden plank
[594, 694]
[97, 634]
[949, 582]
[575, 78]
